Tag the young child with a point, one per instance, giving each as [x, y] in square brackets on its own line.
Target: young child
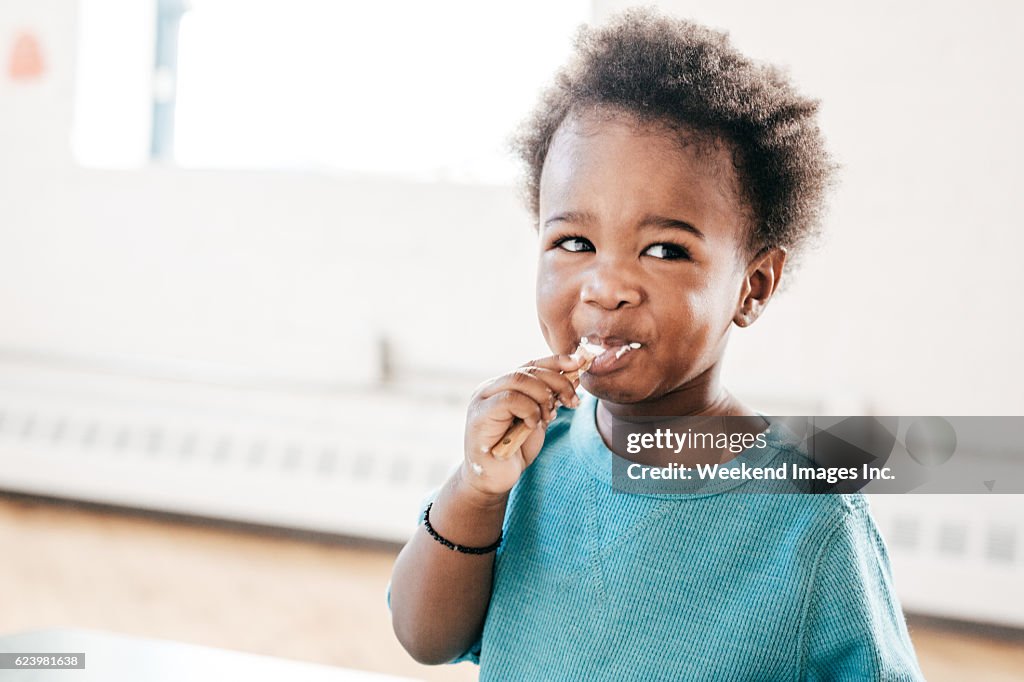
[671, 178]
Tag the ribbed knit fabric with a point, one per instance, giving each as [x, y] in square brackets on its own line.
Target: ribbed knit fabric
[592, 584]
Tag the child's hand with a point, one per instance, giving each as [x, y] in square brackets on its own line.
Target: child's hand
[532, 393]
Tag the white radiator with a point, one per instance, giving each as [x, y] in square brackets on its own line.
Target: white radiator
[957, 556]
[354, 464]
[358, 464]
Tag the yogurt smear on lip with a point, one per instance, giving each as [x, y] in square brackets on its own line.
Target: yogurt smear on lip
[597, 350]
[591, 348]
[625, 349]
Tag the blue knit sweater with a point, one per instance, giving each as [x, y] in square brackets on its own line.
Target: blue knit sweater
[592, 584]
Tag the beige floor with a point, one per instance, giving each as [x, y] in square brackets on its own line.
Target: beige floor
[300, 599]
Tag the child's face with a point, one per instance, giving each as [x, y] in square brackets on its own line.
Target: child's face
[642, 240]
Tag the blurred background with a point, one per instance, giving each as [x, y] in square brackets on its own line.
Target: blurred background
[255, 255]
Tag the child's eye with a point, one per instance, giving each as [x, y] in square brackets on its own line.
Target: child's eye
[667, 251]
[574, 244]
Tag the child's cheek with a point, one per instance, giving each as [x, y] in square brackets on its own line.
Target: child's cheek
[554, 308]
[696, 327]
[712, 319]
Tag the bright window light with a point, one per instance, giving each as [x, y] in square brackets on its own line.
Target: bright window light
[113, 83]
[427, 90]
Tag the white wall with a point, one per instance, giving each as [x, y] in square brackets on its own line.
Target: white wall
[282, 274]
[911, 308]
[912, 305]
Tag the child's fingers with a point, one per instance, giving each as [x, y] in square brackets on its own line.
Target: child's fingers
[557, 383]
[560, 363]
[531, 448]
[502, 407]
[524, 380]
[533, 379]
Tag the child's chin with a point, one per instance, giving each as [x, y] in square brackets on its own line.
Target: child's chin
[612, 390]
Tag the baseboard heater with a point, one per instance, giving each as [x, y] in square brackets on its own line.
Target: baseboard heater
[357, 464]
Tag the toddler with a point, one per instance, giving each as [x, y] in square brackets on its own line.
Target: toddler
[672, 180]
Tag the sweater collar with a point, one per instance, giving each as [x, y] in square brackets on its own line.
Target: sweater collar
[590, 449]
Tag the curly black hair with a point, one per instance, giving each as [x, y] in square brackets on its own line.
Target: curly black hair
[672, 72]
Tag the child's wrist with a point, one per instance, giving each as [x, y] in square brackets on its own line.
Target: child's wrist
[478, 498]
[466, 516]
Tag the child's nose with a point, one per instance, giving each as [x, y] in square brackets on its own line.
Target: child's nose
[610, 286]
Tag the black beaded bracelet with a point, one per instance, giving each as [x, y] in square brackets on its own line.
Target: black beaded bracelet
[451, 545]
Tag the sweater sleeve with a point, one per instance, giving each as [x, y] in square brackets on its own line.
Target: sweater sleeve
[854, 627]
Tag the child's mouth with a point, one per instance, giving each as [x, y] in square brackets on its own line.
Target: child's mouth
[610, 354]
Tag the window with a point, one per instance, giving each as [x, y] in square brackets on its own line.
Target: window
[429, 90]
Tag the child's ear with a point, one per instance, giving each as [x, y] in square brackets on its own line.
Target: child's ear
[760, 281]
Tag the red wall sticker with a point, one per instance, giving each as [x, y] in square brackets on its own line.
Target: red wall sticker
[26, 60]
